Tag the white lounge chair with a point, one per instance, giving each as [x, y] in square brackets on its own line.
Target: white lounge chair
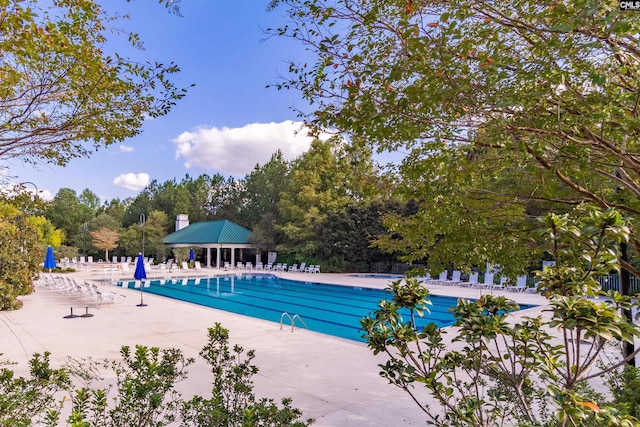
[442, 278]
[197, 265]
[259, 266]
[473, 280]
[500, 286]
[302, 267]
[294, 267]
[185, 266]
[520, 286]
[487, 282]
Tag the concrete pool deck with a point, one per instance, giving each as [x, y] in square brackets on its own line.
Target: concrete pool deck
[333, 380]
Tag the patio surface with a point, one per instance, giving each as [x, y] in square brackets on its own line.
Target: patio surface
[333, 380]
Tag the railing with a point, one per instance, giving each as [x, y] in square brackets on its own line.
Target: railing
[292, 320]
[612, 282]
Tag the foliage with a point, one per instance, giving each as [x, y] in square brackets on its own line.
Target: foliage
[322, 180]
[260, 196]
[516, 372]
[624, 385]
[154, 231]
[91, 99]
[49, 235]
[19, 256]
[144, 393]
[529, 107]
[232, 402]
[24, 400]
[67, 213]
[105, 239]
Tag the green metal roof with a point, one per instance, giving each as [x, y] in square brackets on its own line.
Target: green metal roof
[221, 231]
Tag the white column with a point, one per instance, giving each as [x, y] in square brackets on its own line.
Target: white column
[218, 257]
[233, 257]
[209, 257]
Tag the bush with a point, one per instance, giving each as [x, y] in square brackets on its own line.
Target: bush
[144, 394]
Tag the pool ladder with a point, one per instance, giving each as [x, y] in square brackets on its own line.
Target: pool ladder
[292, 320]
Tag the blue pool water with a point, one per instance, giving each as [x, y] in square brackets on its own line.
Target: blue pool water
[329, 309]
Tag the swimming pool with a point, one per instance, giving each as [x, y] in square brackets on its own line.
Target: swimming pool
[330, 309]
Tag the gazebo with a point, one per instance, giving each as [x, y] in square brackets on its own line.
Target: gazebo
[219, 235]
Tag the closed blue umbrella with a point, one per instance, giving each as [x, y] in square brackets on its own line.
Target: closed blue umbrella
[191, 256]
[49, 260]
[140, 274]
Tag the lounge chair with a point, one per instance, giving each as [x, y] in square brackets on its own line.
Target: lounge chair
[316, 269]
[185, 266]
[473, 280]
[197, 265]
[520, 286]
[500, 286]
[259, 266]
[442, 278]
[239, 266]
[294, 267]
[302, 267]
[248, 266]
[268, 267]
[487, 282]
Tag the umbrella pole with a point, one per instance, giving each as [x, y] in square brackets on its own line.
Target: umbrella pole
[142, 304]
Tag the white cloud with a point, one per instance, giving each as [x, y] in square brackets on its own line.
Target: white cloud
[126, 148]
[236, 151]
[132, 181]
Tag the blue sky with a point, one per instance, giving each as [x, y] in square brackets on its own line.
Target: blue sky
[228, 121]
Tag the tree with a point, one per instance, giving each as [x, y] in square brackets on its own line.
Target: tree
[19, 256]
[528, 372]
[541, 93]
[322, 180]
[154, 231]
[105, 239]
[68, 214]
[260, 195]
[61, 95]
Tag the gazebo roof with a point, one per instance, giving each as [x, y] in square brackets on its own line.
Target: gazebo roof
[221, 231]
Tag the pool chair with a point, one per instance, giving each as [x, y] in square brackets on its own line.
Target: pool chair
[473, 279]
[316, 269]
[259, 266]
[294, 267]
[520, 286]
[302, 268]
[239, 266]
[227, 266]
[248, 266]
[268, 267]
[487, 282]
[500, 286]
[197, 265]
[185, 266]
[455, 278]
[442, 278]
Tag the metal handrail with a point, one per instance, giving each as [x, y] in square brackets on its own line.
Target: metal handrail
[292, 320]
